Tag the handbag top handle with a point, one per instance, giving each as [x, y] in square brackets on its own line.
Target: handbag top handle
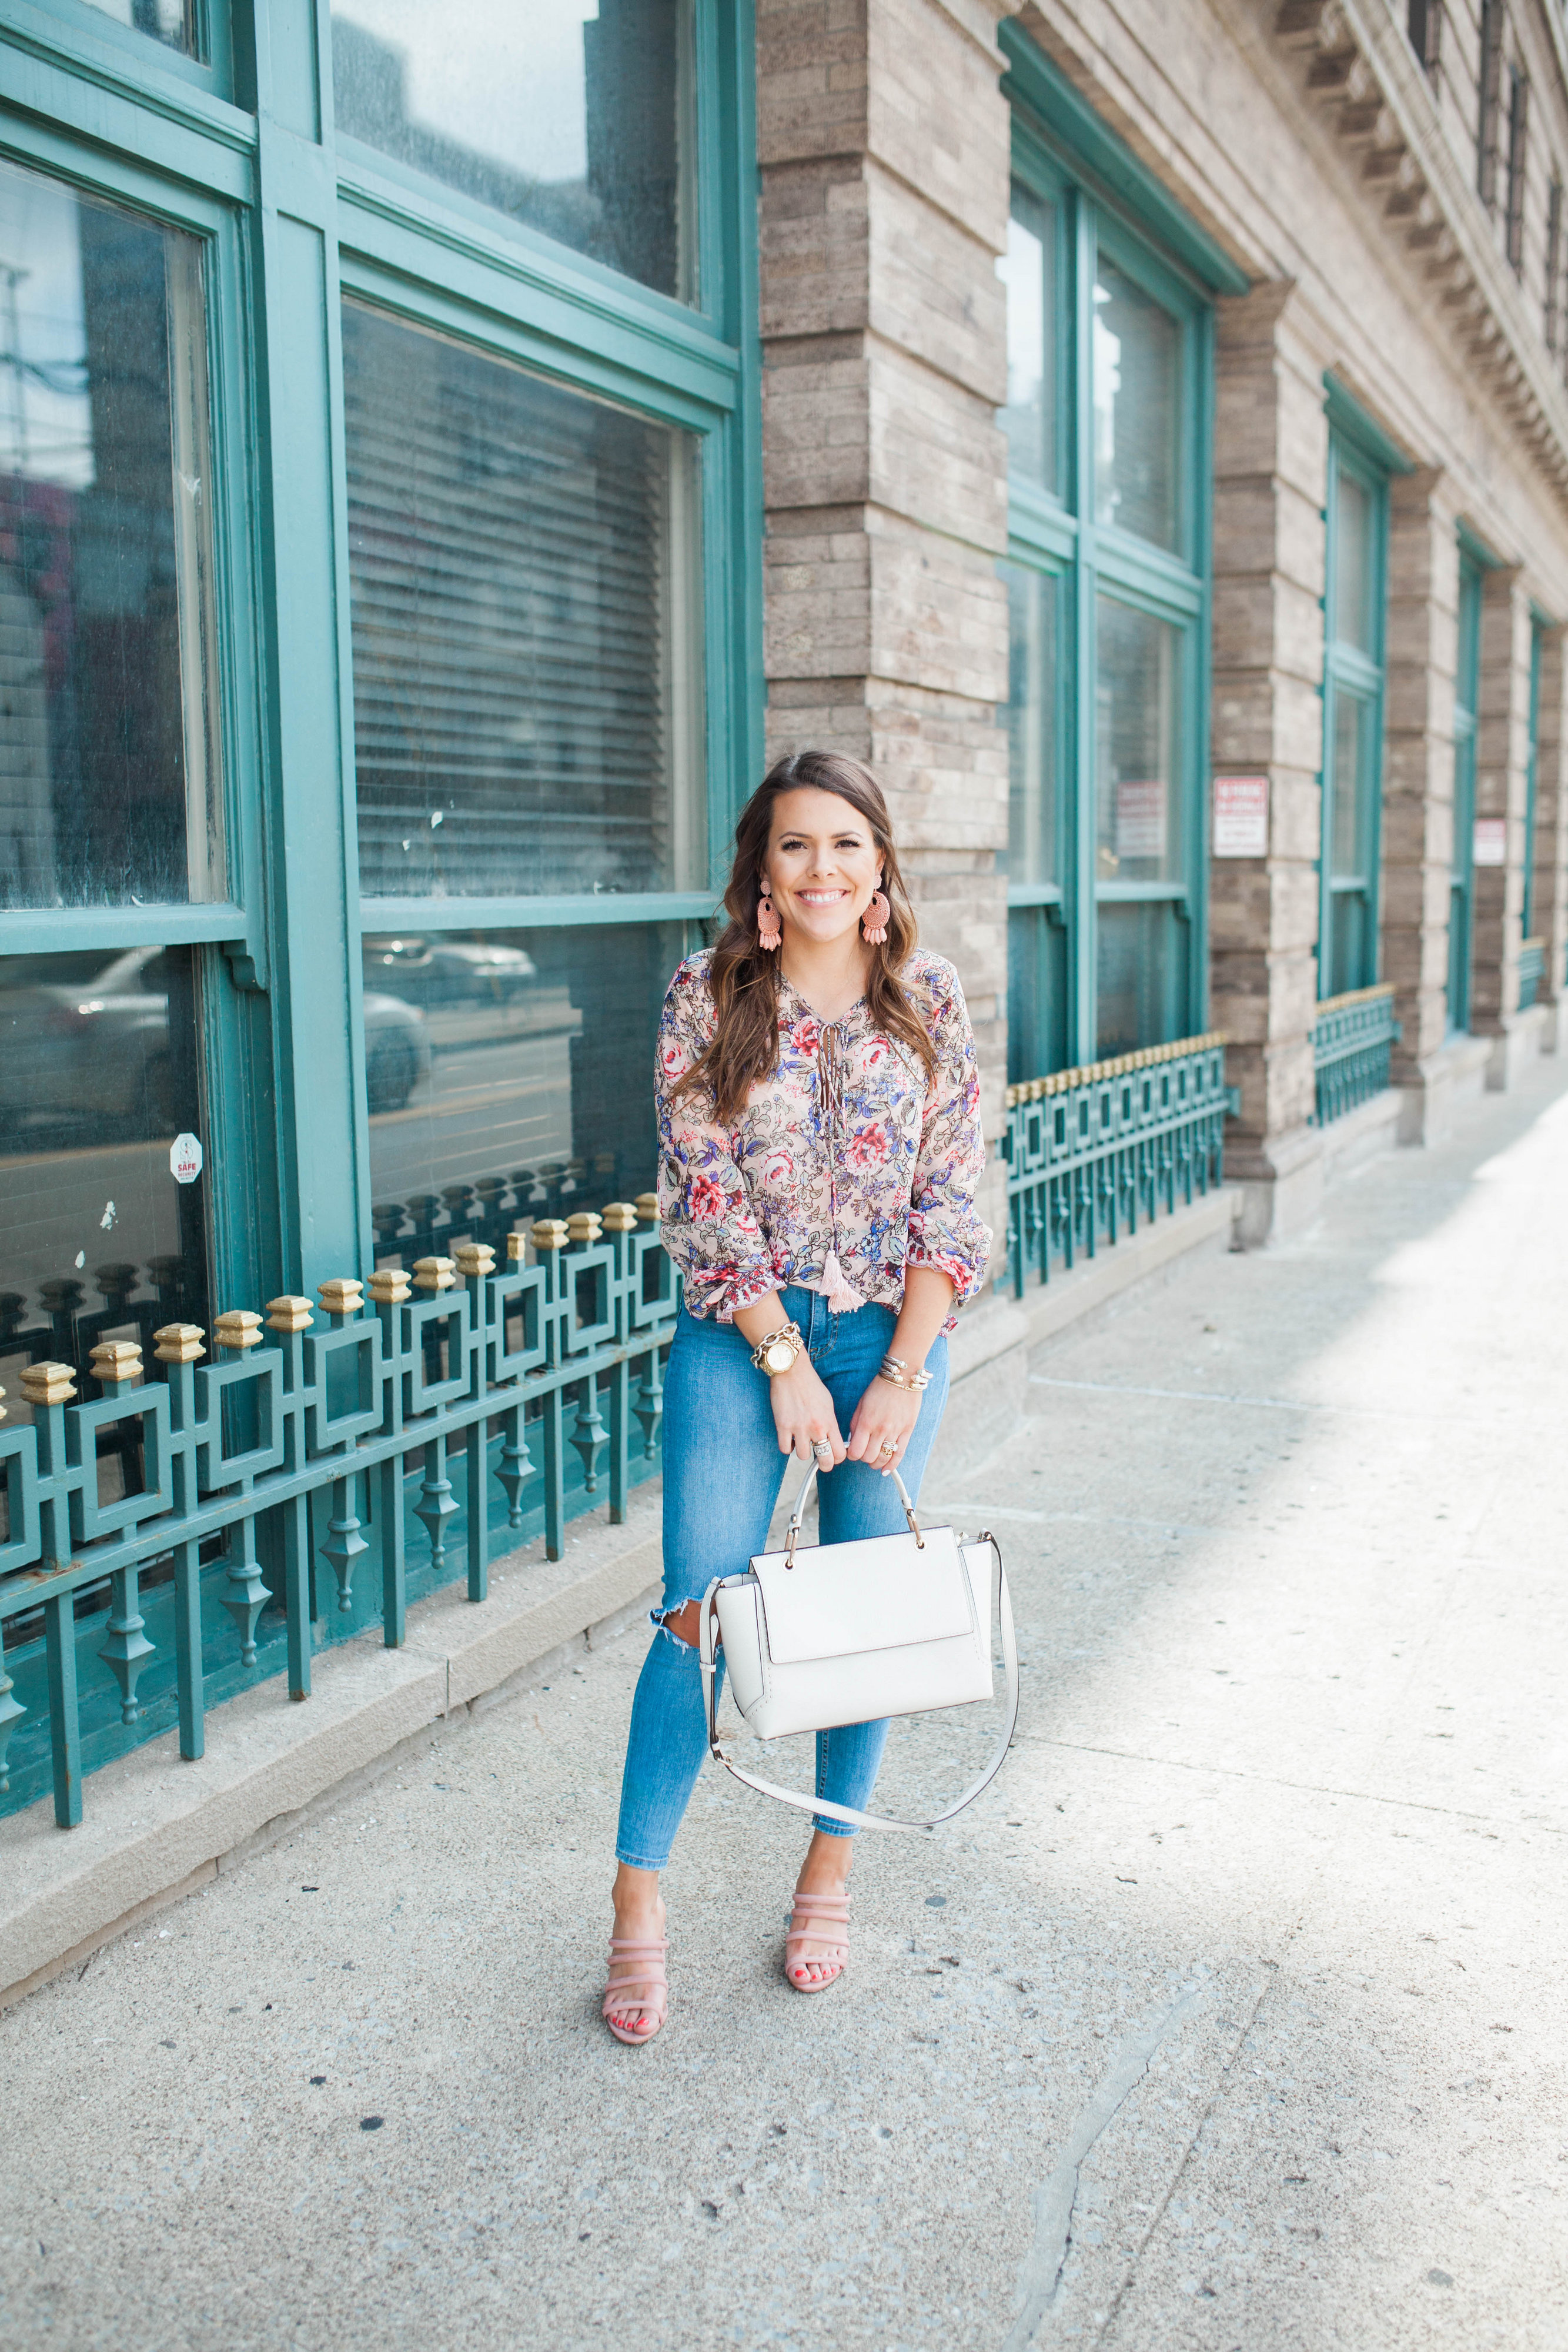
[792, 1536]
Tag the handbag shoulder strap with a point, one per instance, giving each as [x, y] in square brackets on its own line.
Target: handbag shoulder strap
[807, 1804]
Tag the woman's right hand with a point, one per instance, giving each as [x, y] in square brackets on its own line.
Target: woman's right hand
[804, 1411]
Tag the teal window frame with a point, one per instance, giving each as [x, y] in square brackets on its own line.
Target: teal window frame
[1106, 200]
[290, 222]
[1462, 864]
[1356, 449]
[1538, 625]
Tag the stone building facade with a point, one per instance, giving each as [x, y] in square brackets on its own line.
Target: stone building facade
[1397, 218]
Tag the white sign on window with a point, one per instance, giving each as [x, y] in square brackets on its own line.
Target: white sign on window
[1242, 816]
[185, 1159]
[1140, 817]
[1491, 841]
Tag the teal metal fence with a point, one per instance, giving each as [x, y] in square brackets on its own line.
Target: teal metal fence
[298, 1488]
[1091, 1153]
[1353, 1039]
[1531, 971]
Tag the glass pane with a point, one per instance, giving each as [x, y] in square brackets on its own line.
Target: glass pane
[1350, 960]
[1138, 700]
[97, 1076]
[1354, 554]
[109, 780]
[510, 1077]
[1028, 271]
[1037, 994]
[1141, 996]
[570, 116]
[172, 22]
[527, 629]
[1137, 404]
[1032, 725]
[1352, 717]
[1458, 956]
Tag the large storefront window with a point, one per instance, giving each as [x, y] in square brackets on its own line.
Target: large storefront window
[1107, 594]
[1353, 719]
[380, 660]
[111, 812]
[1462, 869]
[110, 769]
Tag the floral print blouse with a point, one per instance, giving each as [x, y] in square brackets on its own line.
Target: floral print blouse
[846, 1149]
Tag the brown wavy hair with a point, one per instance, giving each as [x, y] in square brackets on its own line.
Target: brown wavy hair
[744, 978]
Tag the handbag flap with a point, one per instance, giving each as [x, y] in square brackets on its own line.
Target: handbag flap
[878, 1594]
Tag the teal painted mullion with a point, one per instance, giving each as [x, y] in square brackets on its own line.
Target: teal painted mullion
[517, 911]
[315, 993]
[729, 197]
[39, 930]
[1078, 875]
[1200, 491]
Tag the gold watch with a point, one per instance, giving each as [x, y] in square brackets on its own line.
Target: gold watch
[778, 1351]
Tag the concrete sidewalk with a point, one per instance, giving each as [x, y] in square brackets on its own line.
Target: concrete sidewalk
[1232, 2017]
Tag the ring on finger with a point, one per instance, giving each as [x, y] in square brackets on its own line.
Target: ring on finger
[890, 1447]
[821, 1449]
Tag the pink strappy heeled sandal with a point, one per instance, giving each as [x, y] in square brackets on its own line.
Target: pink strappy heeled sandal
[640, 1963]
[833, 1910]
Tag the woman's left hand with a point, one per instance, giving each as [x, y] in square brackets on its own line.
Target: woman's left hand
[883, 1419]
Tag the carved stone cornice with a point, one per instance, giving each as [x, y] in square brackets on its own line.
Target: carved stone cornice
[1359, 71]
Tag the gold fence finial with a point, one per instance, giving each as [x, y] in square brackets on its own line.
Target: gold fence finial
[621, 1216]
[238, 1329]
[551, 1233]
[343, 1296]
[116, 1362]
[433, 1274]
[473, 1258]
[648, 1208]
[388, 1287]
[180, 1343]
[48, 1384]
[288, 1314]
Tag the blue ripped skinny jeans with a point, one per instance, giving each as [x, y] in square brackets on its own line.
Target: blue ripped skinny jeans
[723, 1470]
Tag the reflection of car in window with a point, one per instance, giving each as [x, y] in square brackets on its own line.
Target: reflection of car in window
[449, 971]
[397, 1050]
[85, 1043]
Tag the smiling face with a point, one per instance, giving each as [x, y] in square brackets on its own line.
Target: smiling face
[822, 865]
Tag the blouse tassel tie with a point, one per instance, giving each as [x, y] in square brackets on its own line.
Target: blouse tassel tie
[834, 1288]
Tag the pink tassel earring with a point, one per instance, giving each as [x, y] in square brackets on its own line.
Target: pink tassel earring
[768, 935]
[874, 922]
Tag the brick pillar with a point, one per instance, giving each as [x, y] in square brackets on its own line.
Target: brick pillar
[1418, 780]
[883, 142]
[1548, 916]
[1502, 750]
[1270, 478]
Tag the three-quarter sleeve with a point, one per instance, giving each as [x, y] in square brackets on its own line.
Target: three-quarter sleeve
[946, 1229]
[706, 1222]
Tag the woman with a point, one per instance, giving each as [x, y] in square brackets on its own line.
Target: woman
[819, 1125]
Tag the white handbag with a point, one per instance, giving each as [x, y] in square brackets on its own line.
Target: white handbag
[836, 1634]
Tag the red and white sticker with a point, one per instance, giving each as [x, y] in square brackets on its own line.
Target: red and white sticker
[1491, 841]
[185, 1159]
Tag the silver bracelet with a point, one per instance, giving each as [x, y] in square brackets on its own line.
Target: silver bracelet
[897, 1374]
